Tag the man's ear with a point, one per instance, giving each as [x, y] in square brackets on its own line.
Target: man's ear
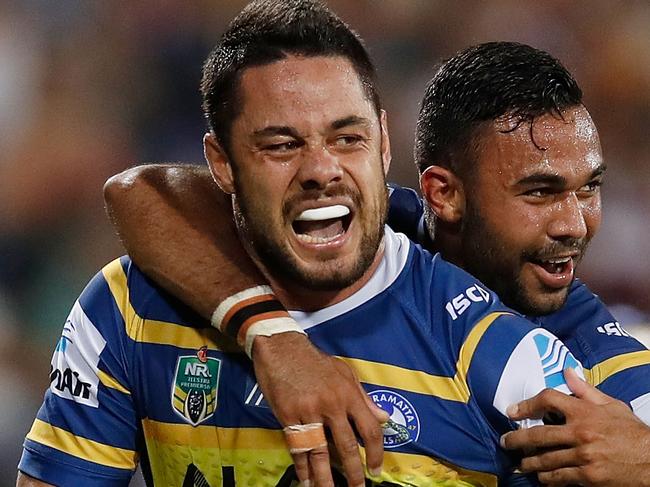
[219, 163]
[386, 156]
[444, 193]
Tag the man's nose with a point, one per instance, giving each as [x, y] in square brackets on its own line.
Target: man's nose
[568, 219]
[319, 168]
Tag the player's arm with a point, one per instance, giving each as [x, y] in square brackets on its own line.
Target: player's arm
[602, 442]
[508, 361]
[27, 481]
[602, 439]
[615, 362]
[85, 432]
[177, 226]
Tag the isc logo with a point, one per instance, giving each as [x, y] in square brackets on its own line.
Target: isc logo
[613, 328]
[473, 294]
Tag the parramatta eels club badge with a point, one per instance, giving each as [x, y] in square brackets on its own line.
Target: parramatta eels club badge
[403, 425]
[194, 392]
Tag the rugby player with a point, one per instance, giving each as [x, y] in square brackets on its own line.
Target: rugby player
[298, 139]
[512, 193]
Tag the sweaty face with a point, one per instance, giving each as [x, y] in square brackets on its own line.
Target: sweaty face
[533, 205]
[310, 194]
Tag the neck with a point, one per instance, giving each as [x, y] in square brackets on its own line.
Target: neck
[300, 298]
[447, 241]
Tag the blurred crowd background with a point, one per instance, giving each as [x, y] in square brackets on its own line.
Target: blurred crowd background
[89, 88]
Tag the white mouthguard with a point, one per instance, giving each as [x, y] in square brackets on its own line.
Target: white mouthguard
[324, 213]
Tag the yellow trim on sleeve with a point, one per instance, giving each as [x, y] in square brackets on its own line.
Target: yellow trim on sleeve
[607, 368]
[144, 330]
[469, 347]
[116, 280]
[109, 381]
[77, 446]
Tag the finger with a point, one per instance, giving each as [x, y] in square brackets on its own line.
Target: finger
[301, 462]
[545, 401]
[381, 415]
[539, 437]
[372, 436]
[348, 450]
[550, 460]
[561, 476]
[319, 467]
[369, 427]
[584, 390]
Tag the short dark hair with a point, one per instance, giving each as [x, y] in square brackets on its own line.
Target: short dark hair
[482, 83]
[266, 31]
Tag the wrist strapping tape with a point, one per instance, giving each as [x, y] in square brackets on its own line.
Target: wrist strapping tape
[250, 313]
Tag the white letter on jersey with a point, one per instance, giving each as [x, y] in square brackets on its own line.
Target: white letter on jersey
[75, 359]
[473, 294]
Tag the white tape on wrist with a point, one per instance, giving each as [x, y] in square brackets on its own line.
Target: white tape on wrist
[253, 312]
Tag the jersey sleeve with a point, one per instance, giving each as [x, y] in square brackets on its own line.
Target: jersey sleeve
[514, 361]
[85, 431]
[615, 362]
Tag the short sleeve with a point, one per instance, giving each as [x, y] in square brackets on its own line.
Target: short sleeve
[85, 431]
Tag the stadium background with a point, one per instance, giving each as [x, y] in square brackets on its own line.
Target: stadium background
[88, 88]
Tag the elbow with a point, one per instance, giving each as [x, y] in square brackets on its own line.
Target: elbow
[117, 187]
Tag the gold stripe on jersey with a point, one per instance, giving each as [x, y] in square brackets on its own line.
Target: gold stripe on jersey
[406, 379]
[448, 388]
[77, 446]
[145, 330]
[260, 456]
[109, 381]
[607, 368]
[467, 351]
[116, 280]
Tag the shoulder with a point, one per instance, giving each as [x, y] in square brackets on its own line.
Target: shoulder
[406, 212]
[585, 324]
[453, 295]
[138, 297]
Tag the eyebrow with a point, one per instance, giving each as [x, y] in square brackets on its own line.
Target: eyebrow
[276, 130]
[292, 132]
[554, 180]
[351, 120]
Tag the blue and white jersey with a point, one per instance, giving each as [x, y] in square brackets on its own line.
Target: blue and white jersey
[615, 362]
[137, 377]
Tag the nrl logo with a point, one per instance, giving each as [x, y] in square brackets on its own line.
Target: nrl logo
[194, 393]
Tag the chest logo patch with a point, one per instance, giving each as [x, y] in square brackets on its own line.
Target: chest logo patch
[403, 425]
[194, 391]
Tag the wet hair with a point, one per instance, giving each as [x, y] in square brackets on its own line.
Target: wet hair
[266, 31]
[481, 84]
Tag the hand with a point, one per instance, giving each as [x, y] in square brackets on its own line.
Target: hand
[303, 385]
[602, 443]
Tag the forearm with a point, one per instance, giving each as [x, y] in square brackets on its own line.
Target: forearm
[24, 480]
[177, 227]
